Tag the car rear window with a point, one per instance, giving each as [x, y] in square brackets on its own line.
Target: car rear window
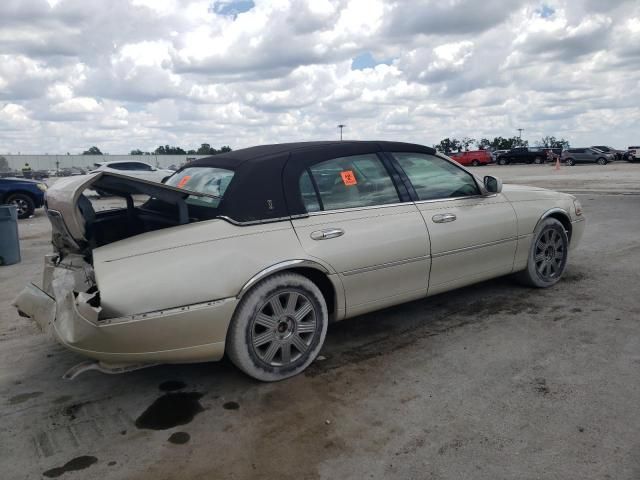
[207, 180]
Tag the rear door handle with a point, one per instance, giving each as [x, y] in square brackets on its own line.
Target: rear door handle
[327, 233]
[444, 218]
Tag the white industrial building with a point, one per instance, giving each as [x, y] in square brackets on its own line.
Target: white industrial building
[53, 162]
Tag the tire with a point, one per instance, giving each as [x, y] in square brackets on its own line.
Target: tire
[475, 163]
[24, 203]
[538, 160]
[502, 161]
[548, 255]
[260, 333]
[602, 161]
[570, 162]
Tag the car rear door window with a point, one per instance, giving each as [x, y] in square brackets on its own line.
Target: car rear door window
[434, 178]
[347, 182]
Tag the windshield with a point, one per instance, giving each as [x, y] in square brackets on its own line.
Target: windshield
[207, 180]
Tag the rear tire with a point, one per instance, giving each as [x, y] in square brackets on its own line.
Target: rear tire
[475, 163]
[278, 328]
[537, 160]
[24, 203]
[502, 161]
[547, 255]
[570, 162]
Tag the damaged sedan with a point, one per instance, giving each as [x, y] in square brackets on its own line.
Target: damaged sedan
[252, 253]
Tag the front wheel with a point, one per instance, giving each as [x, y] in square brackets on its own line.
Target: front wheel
[547, 255]
[24, 204]
[475, 163]
[602, 161]
[502, 161]
[278, 328]
[570, 162]
[537, 160]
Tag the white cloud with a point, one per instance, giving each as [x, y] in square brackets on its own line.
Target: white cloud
[127, 74]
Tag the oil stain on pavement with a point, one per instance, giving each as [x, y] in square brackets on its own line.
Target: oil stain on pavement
[170, 410]
[179, 438]
[78, 463]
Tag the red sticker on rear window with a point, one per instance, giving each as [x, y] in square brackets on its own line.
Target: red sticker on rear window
[183, 181]
[348, 177]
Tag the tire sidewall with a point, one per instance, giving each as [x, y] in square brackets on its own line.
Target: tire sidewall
[544, 225]
[30, 204]
[239, 346]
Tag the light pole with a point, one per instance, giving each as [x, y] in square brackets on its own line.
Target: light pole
[520, 130]
[341, 126]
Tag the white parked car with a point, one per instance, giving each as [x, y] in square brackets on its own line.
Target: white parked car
[134, 169]
[253, 252]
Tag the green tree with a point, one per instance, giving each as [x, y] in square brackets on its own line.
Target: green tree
[205, 149]
[92, 151]
[169, 150]
[448, 145]
[553, 142]
[466, 142]
[137, 151]
[483, 144]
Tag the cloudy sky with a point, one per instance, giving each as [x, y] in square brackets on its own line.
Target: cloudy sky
[125, 74]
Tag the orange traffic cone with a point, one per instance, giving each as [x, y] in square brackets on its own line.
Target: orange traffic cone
[557, 163]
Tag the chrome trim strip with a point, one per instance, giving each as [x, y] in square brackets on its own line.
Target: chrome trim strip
[436, 200]
[255, 222]
[356, 209]
[276, 268]
[550, 212]
[474, 247]
[384, 265]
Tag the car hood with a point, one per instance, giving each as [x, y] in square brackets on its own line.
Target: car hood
[20, 180]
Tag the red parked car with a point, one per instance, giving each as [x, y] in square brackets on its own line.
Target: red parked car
[473, 157]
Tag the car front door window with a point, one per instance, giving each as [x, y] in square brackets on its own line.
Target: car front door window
[435, 178]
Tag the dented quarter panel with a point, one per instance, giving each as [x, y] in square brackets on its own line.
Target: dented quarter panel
[190, 264]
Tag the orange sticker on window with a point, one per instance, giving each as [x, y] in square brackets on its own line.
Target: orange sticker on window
[183, 181]
[348, 178]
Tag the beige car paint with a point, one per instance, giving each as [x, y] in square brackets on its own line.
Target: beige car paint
[381, 257]
[169, 295]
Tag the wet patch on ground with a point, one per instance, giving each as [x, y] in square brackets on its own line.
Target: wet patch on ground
[78, 463]
[172, 385]
[23, 397]
[231, 406]
[179, 438]
[170, 410]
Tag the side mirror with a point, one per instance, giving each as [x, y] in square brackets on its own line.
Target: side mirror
[492, 184]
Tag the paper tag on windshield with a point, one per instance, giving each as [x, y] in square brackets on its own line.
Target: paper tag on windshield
[348, 178]
[183, 181]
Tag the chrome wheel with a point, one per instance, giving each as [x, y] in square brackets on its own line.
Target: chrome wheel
[550, 255]
[284, 328]
[21, 205]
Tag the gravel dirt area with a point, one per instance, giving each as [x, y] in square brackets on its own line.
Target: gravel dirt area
[487, 382]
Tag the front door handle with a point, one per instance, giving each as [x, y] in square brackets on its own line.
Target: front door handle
[327, 233]
[444, 218]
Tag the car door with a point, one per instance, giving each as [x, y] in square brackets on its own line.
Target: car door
[358, 224]
[473, 236]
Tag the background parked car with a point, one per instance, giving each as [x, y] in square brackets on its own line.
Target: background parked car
[134, 169]
[586, 155]
[25, 194]
[473, 157]
[632, 154]
[522, 155]
[618, 154]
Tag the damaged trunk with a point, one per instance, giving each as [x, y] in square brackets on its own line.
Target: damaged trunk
[79, 228]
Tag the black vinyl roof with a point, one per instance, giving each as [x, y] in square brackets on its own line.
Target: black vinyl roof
[265, 184]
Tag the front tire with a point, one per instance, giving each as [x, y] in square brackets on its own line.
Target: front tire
[602, 161]
[278, 328]
[475, 163]
[570, 162]
[502, 161]
[537, 160]
[547, 255]
[24, 204]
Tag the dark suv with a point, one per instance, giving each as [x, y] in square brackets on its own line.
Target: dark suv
[26, 195]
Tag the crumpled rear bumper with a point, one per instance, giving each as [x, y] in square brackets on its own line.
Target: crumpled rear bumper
[189, 333]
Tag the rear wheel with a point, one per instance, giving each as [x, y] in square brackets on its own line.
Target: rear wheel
[279, 328]
[547, 255]
[602, 161]
[570, 162]
[24, 204]
[502, 161]
[537, 160]
[475, 163]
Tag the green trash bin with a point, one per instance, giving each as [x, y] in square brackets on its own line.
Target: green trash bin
[9, 241]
